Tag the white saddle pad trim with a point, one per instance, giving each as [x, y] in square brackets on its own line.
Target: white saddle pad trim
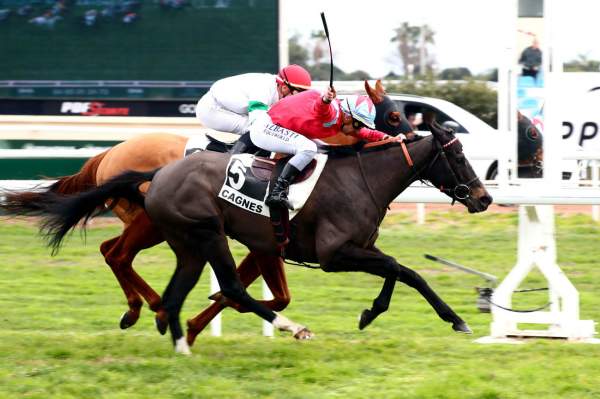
[199, 141]
[300, 192]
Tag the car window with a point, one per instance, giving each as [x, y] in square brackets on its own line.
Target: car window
[414, 111]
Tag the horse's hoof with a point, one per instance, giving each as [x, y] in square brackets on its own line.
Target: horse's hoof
[222, 300]
[365, 319]
[462, 327]
[161, 324]
[191, 334]
[190, 337]
[127, 320]
[217, 296]
[305, 333]
[182, 347]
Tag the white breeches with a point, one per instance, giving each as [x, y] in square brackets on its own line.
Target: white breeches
[274, 138]
[216, 116]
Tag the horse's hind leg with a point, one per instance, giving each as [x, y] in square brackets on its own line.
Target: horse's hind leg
[223, 265]
[137, 235]
[272, 270]
[189, 268]
[251, 267]
[248, 271]
[192, 250]
[134, 301]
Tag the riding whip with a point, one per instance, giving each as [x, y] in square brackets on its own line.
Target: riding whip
[330, 53]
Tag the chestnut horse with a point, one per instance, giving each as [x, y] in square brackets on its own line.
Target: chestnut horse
[336, 228]
[149, 152]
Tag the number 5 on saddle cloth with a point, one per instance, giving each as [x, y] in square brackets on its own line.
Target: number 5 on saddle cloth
[248, 180]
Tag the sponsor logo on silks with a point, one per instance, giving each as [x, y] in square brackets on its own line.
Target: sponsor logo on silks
[241, 188]
[283, 132]
[93, 108]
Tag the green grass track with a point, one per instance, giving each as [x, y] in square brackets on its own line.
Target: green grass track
[59, 334]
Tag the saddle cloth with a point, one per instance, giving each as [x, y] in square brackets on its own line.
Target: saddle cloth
[247, 187]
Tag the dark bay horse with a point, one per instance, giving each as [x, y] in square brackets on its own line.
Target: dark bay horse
[530, 152]
[149, 152]
[336, 228]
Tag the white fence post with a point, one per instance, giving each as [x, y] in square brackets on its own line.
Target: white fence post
[268, 330]
[537, 248]
[595, 183]
[215, 324]
[420, 213]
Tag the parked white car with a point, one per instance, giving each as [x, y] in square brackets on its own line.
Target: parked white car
[478, 138]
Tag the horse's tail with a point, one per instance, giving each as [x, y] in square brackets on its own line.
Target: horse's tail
[61, 213]
[80, 181]
[27, 202]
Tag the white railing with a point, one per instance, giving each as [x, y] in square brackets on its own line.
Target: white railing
[527, 192]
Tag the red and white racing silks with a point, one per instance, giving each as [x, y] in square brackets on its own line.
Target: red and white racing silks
[307, 114]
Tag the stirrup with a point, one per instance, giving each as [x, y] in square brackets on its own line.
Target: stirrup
[280, 222]
[279, 201]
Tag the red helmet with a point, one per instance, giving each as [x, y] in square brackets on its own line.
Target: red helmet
[295, 77]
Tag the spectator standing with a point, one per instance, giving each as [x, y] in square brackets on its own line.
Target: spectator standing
[531, 59]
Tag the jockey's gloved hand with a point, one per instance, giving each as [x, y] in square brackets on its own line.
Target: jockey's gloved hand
[328, 95]
[399, 138]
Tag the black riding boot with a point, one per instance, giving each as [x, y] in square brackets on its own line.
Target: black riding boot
[279, 194]
[243, 145]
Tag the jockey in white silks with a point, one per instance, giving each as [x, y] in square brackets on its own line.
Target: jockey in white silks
[229, 104]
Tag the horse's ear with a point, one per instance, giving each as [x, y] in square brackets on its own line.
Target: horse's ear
[436, 129]
[395, 116]
[373, 93]
[379, 88]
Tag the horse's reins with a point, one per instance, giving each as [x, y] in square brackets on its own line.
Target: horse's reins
[460, 191]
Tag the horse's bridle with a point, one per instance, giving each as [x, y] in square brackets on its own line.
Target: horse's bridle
[460, 191]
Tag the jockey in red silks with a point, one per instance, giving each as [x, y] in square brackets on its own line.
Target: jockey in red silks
[291, 124]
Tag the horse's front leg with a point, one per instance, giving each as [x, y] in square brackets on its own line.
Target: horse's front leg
[223, 265]
[380, 304]
[351, 257]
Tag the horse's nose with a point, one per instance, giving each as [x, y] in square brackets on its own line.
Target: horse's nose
[486, 200]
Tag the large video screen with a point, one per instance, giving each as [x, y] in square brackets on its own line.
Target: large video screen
[80, 43]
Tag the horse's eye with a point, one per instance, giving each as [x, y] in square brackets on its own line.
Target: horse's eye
[460, 158]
